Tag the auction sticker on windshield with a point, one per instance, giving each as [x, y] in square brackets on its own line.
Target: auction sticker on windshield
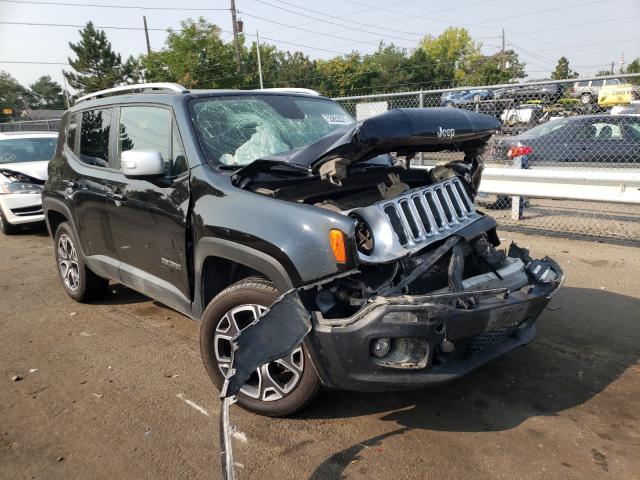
[336, 119]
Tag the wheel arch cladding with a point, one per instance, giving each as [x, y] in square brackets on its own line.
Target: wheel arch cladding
[220, 263]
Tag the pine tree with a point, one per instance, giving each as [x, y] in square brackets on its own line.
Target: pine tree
[98, 66]
[47, 94]
[562, 70]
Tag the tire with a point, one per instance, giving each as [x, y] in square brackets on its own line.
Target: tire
[634, 95]
[8, 228]
[586, 98]
[231, 310]
[79, 282]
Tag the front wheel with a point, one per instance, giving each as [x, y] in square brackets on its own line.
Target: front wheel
[279, 388]
[80, 283]
[586, 98]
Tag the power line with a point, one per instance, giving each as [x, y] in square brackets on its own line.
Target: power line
[353, 40]
[546, 10]
[574, 25]
[34, 24]
[360, 10]
[70, 25]
[428, 16]
[100, 5]
[351, 27]
[33, 62]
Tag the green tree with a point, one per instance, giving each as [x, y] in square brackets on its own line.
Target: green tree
[453, 53]
[633, 67]
[47, 94]
[194, 56]
[501, 67]
[98, 66]
[12, 96]
[293, 69]
[562, 70]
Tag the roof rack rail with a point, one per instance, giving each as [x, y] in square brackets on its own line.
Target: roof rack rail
[308, 91]
[166, 86]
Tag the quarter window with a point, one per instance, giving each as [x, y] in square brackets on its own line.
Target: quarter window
[72, 127]
[94, 137]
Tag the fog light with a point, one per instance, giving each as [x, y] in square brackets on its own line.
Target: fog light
[381, 347]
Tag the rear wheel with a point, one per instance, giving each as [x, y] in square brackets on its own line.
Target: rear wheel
[80, 283]
[276, 389]
[7, 228]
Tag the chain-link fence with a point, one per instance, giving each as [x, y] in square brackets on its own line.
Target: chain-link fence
[31, 126]
[578, 125]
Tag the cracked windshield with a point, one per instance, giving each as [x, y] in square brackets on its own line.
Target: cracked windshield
[235, 131]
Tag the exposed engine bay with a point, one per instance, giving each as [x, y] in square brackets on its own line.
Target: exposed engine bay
[428, 295]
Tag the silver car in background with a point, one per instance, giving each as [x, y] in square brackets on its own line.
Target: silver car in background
[24, 157]
[587, 90]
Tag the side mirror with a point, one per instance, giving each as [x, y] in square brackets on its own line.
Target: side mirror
[142, 163]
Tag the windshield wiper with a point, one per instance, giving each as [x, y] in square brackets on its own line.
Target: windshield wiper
[243, 177]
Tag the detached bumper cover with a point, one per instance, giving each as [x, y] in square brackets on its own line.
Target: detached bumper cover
[342, 352]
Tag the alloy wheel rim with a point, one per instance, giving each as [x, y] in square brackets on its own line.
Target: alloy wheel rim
[68, 262]
[270, 382]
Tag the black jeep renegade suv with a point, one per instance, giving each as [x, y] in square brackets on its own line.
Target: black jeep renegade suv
[217, 203]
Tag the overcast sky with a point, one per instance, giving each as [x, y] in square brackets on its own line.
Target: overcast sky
[591, 34]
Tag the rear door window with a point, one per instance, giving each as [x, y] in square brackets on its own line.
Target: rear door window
[94, 137]
[613, 81]
[597, 83]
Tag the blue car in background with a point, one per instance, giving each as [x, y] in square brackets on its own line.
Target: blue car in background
[451, 99]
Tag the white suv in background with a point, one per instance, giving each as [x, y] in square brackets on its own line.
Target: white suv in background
[24, 157]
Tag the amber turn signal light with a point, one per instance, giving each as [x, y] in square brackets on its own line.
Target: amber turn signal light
[336, 238]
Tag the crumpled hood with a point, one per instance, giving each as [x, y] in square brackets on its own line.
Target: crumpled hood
[402, 130]
[37, 170]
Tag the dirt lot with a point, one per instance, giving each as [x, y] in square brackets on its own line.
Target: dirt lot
[117, 390]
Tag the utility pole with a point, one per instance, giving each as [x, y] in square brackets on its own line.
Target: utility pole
[146, 34]
[612, 67]
[259, 61]
[622, 63]
[236, 41]
[502, 62]
[66, 91]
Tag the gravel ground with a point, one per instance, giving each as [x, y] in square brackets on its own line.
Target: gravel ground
[116, 389]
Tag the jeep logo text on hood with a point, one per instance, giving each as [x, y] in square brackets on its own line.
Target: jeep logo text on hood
[446, 132]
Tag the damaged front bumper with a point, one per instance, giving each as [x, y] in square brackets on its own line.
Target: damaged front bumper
[430, 340]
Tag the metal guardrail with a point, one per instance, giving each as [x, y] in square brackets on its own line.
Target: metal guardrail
[612, 187]
[592, 186]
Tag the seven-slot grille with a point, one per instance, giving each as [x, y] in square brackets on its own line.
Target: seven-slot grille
[430, 212]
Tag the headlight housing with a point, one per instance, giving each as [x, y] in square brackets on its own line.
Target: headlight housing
[20, 187]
